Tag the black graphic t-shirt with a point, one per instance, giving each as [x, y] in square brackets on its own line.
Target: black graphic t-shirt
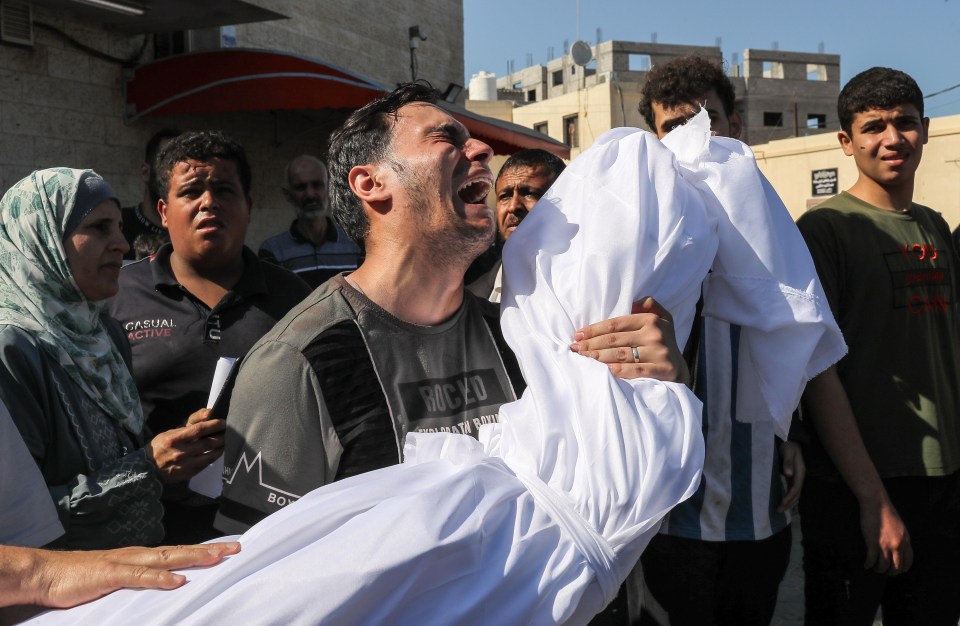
[891, 279]
[335, 388]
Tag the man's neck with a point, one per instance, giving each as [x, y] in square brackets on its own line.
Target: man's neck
[889, 197]
[312, 230]
[411, 287]
[209, 285]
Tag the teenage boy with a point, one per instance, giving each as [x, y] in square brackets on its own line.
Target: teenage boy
[888, 267]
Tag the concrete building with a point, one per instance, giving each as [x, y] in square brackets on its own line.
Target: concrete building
[779, 94]
[74, 88]
[807, 170]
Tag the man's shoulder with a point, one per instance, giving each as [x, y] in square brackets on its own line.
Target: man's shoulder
[281, 281]
[273, 247]
[839, 217]
[932, 213]
[137, 287]
[322, 309]
[280, 239]
[840, 204]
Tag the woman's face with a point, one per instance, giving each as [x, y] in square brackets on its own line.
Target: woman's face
[95, 251]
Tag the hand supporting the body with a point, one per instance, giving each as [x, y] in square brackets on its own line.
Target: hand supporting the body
[887, 540]
[180, 453]
[66, 579]
[649, 330]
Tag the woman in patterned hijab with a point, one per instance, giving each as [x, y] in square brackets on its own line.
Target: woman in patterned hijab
[39, 293]
[62, 373]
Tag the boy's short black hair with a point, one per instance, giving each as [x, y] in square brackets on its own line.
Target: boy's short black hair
[877, 88]
[683, 80]
[203, 146]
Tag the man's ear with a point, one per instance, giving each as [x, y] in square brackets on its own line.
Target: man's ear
[736, 124]
[287, 195]
[368, 183]
[926, 129]
[162, 211]
[249, 208]
[145, 172]
[846, 142]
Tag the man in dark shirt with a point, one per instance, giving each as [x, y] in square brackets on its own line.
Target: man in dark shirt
[142, 226]
[314, 246]
[201, 297]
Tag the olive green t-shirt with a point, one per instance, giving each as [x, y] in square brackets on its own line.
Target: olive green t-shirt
[891, 280]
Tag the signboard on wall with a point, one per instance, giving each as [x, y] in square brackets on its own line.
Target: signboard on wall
[824, 182]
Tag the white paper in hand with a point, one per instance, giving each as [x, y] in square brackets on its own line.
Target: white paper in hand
[209, 482]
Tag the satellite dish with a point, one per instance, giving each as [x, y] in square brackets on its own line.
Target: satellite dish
[581, 52]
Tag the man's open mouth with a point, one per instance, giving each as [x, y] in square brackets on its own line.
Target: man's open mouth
[475, 191]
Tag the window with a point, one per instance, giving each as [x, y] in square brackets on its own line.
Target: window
[541, 128]
[571, 136]
[532, 95]
[638, 62]
[168, 44]
[772, 69]
[772, 119]
[816, 71]
[558, 78]
[816, 120]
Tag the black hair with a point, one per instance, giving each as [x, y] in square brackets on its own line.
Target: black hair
[150, 158]
[684, 80]
[365, 138]
[533, 158]
[203, 146]
[876, 88]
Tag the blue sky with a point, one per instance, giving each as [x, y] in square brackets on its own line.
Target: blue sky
[921, 37]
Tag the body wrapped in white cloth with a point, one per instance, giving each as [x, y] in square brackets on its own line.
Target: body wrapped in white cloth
[540, 520]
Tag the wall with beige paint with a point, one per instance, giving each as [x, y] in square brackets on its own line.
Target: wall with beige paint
[789, 164]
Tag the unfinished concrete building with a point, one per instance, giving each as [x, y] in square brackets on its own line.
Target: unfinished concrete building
[779, 94]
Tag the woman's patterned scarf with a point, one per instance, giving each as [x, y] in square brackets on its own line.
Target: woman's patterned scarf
[39, 294]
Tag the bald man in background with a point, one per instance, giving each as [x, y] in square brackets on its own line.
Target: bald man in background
[314, 247]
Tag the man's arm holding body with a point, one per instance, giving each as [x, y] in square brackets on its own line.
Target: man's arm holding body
[649, 329]
[283, 441]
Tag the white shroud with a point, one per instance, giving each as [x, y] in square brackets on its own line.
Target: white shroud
[540, 520]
